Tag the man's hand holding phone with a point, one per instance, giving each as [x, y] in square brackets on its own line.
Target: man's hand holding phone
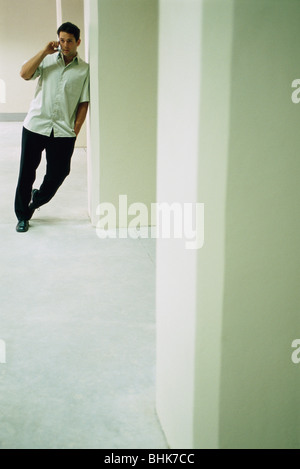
[51, 47]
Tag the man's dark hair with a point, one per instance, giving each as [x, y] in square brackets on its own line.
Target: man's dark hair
[69, 28]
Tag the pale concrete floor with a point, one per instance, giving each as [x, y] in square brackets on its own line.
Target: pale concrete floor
[78, 321]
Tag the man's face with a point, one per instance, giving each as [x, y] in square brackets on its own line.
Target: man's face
[68, 44]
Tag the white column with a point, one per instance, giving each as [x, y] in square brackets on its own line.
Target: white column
[177, 161]
[58, 13]
[227, 314]
[93, 123]
[123, 60]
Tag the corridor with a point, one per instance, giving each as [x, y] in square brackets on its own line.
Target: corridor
[78, 323]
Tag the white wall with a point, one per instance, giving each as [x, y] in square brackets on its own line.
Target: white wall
[25, 28]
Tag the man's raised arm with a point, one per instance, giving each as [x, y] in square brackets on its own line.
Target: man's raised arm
[28, 69]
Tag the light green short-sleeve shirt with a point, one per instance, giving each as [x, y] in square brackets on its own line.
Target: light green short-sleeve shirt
[59, 91]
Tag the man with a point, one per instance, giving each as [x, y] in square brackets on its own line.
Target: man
[54, 120]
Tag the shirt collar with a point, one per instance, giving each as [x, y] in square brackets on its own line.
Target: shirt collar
[60, 57]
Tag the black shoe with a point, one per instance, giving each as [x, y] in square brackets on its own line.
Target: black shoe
[22, 226]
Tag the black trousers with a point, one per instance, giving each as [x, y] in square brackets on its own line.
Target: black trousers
[59, 151]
